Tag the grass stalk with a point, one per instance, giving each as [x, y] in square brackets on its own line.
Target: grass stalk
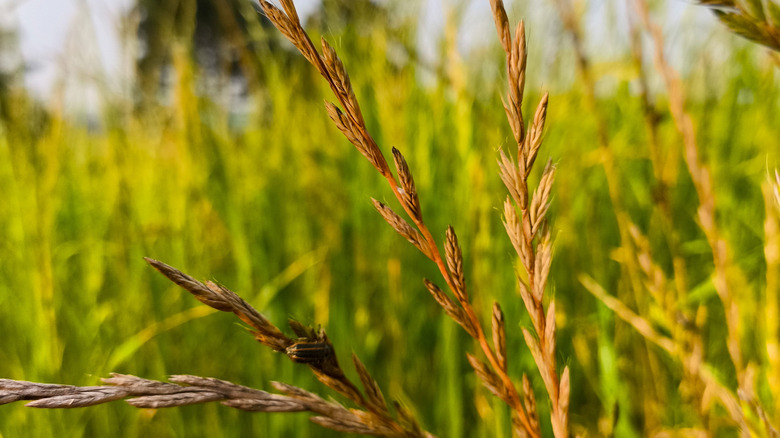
[771, 191]
[312, 348]
[529, 233]
[702, 182]
[350, 122]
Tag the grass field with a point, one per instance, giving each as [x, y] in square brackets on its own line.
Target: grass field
[275, 204]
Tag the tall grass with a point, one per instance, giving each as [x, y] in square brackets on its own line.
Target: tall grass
[280, 213]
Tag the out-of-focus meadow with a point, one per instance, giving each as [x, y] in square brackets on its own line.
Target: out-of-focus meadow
[224, 164]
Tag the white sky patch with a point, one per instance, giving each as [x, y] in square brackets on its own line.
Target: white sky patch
[42, 27]
[55, 35]
[63, 39]
[78, 43]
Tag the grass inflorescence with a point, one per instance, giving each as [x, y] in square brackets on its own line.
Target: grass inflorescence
[647, 307]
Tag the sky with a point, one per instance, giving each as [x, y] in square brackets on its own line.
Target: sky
[47, 27]
[59, 36]
[82, 38]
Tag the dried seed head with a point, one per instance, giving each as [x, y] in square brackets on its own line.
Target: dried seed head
[345, 126]
[372, 389]
[563, 398]
[502, 24]
[303, 331]
[188, 390]
[518, 427]
[335, 380]
[289, 9]
[513, 180]
[534, 139]
[542, 264]
[499, 336]
[539, 358]
[365, 145]
[345, 424]
[280, 21]
[455, 264]
[276, 404]
[289, 25]
[264, 331]
[381, 424]
[516, 63]
[549, 334]
[222, 298]
[403, 228]
[409, 191]
[196, 288]
[182, 398]
[540, 202]
[514, 230]
[444, 301]
[86, 396]
[451, 308]
[520, 55]
[515, 123]
[529, 401]
[341, 84]
[491, 381]
[407, 420]
[529, 302]
[348, 128]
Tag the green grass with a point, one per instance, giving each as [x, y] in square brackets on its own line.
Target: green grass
[278, 210]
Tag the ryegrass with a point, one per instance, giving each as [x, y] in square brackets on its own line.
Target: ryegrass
[282, 215]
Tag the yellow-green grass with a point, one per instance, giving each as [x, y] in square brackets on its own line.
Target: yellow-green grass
[278, 210]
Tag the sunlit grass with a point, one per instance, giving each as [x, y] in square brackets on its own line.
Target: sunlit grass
[278, 210]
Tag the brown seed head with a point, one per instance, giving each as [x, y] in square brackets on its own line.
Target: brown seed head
[403, 228]
[499, 336]
[455, 264]
[408, 190]
[491, 381]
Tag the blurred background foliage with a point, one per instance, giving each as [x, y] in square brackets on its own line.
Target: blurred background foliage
[221, 161]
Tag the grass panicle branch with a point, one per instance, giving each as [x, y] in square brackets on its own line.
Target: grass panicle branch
[144, 393]
[407, 191]
[349, 121]
[312, 347]
[225, 300]
[455, 264]
[663, 163]
[493, 373]
[189, 390]
[702, 181]
[403, 228]
[606, 155]
[527, 231]
[684, 340]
